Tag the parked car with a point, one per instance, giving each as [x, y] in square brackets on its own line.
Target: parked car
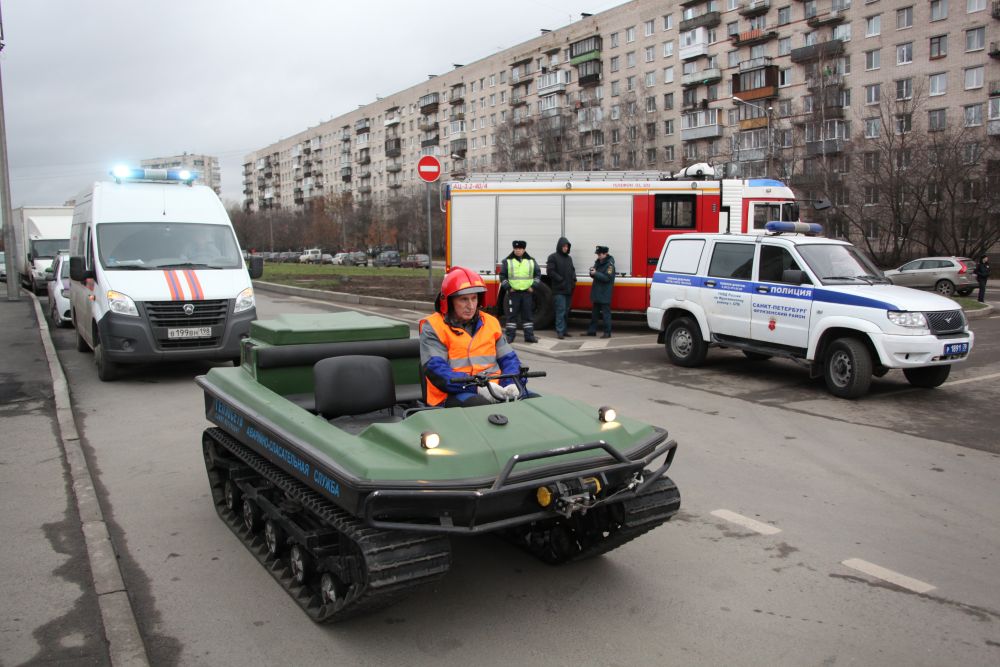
[418, 261]
[387, 258]
[339, 258]
[356, 259]
[3, 266]
[289, 256]
[58, 288]
[311, 256]
[326, 258]
[945, 275]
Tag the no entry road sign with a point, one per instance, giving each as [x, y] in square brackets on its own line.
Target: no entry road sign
[429, 168]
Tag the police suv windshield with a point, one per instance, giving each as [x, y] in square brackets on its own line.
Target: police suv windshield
[836, 264]
[136, 246]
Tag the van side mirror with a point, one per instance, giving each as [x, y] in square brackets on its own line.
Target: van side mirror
[49, 275]
[78, 271]
[793, 276]
[822, 204]
[255, 266]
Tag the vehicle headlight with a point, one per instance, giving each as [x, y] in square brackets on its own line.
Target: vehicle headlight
[121, 304]
[909, 319]
[244, 301]
[430, 440]
[607, 414]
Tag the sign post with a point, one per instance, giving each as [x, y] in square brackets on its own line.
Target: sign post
[429, 170]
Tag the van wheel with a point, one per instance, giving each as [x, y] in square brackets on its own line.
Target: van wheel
[81, 343]
[927, 377]
[544, 312]
[107, 370]
[945, 288]
[847, 368]
[684, 343]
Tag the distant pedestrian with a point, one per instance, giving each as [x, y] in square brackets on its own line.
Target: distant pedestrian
[562, 280]
[520, 275]
[982, 272]
[603, 275]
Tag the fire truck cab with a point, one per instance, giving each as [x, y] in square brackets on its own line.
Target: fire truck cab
[633, 213]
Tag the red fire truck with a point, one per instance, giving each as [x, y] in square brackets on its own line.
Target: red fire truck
[632, 213]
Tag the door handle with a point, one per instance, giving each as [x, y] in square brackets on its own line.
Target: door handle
[709, 283]
[763, 289]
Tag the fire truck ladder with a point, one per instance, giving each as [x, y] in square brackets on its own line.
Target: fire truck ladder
[515, 176]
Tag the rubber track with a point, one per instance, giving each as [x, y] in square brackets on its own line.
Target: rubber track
[396, 562]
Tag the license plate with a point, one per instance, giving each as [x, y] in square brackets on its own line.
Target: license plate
[198, 332]
[956, 348]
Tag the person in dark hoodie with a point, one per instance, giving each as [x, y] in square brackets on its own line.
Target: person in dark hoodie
[603, 275]
[520, 275]
[562, 280]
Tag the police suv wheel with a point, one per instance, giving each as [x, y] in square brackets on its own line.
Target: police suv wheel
[847, 368]
[927, 377]
[684, 343]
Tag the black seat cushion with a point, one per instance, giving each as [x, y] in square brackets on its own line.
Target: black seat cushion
[353, 385]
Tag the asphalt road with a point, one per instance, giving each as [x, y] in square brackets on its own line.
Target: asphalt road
[812, 530]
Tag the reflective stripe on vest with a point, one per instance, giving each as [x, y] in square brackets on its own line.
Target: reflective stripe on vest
[469, 355]
[520, 273]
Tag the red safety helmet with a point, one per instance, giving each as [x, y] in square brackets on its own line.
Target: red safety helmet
[460, 280]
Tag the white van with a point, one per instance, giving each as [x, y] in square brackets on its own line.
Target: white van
[157, 273]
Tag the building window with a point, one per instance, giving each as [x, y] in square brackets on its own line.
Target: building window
[994, 108]
[873, 93]
[873, 59]
[975, 39]
[630, 59]
[974, 78]
[974, 6]
[629, 35]
[904, 89]
[651, 156]
[784, 47]
[784, 15]
[650, 104]
[668, 101]
[842, 32]
[904, 123]
[668, 127]
[668, 153]
[873, 26]
[785, 77]
[936, 120]
[614, 64]
[668, 49]
[668, 74]
[614, 40]
[939, 10]
[616, 88]
[630, 83]
[904, 53]
[973, 115]
[904, 18]
[938, 84]
[648, 27]
[939, 46]
[873, 127]
[650, 79]
[650, 53]
[668, 21]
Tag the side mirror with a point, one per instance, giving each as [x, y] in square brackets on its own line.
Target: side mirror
[255, 266]
[822, 204]
[793, 276]
[49, 275]
[78, 271]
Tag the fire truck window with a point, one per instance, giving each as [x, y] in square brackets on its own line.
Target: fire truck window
[773, 261]
[732, 260]
[765, 213]
[675, 212]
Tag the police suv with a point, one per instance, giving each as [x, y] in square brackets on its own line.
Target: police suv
[790, 293]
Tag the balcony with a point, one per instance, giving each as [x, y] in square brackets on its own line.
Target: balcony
[393, 147]
[459, 147]
[456, 115]
[754, 7]
[810, 180]
[517, 100]
[692, 51]
[710, 131]
[365, 173]
[364, 189]
[394, 167]
[994, 50]
[433, 140]
[825, 147]
[345, 134]
[690, 3]
[585, 50]
[822, 50]
[589, 73]
[756, 84]
[753, 123]
[429, 103]
[993, 128]
[833, 17]
[391, 121]
[523, 119]
[362, 125]
[704, 77]
[751, 37]
[364, 157]
[395, 184]
[995, 12]
[824, 82]
[457, 94]
[706, 20]
[552, 82]
[426, 125]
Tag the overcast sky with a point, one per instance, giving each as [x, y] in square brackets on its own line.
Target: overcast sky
[91, 83]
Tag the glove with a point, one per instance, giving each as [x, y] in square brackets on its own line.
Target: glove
[485, 393]
[512, 392]
[504, 285]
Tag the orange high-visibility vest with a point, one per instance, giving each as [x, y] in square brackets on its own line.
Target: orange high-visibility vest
[466, 354]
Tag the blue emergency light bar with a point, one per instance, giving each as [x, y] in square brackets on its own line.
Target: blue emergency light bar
[786, 227]
[123, 172]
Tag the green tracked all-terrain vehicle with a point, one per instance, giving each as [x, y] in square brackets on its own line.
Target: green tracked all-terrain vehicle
[326, 463]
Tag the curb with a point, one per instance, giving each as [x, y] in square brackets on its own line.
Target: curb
[978, 312]
[343, 297]
[121, 630]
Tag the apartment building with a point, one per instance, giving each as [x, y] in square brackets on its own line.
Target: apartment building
[206, 166]
[759, 87]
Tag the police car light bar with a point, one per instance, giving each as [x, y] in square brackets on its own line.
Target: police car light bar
[783, 227]
[125, 173]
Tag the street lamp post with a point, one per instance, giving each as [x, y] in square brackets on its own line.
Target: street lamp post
[770, 139]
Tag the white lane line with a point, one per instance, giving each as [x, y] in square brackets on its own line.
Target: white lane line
[975, 379]
[884, 574]
[746, 522]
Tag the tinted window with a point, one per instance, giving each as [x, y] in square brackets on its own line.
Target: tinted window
[675, 211]
[910, 266]
[773, 261]
[731, 260]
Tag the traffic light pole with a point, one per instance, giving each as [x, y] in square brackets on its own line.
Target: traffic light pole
[9, 242]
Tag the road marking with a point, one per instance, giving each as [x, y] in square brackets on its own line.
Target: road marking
[991, 376]
[884, 574]
[746, 522]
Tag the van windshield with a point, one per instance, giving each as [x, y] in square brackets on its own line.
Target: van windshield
[164, 245]
[834, 264]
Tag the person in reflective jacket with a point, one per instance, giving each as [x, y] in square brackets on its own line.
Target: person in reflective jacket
[460, 339]
[519, 276]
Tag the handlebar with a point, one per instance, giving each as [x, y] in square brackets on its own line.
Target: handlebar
[483, 380]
